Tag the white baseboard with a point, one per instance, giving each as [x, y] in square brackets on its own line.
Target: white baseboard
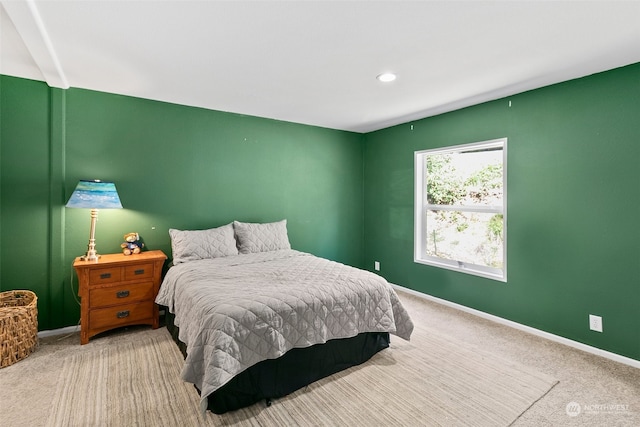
[61, 331]
[580, 346]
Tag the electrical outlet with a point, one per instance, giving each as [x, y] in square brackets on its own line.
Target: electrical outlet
[376, 265]
[595, 323]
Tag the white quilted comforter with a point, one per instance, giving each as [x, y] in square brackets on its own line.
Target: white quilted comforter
[236, 311]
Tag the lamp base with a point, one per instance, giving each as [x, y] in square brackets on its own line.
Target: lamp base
[91, 254]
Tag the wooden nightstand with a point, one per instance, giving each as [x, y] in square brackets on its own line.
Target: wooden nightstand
[118, 290]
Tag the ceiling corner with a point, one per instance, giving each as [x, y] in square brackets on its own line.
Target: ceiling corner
[29, 25]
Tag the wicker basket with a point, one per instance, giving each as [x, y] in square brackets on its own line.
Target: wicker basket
[18, 326]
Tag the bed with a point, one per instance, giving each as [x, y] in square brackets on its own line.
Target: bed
[258, 320]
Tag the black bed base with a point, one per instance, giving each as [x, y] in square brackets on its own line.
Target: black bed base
[274, 378]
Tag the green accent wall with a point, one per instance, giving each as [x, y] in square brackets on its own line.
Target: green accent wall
[573, 239]
[573, 194]
[174, 167]
[25, 169]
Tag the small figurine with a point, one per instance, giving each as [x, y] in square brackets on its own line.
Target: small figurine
[132, 244]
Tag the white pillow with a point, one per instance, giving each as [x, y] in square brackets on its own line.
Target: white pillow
[254, 237]
[192, 245]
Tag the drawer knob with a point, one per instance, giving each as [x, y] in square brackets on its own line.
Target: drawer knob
[105, 276]
[122, 314]
[140, 271]
[122, 294]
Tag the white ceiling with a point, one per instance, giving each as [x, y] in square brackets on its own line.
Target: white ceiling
[315, 62]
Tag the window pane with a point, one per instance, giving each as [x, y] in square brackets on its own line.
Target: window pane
[460, 208]
[469, 237]
[465, 178]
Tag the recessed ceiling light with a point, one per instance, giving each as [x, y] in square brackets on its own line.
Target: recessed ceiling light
[386, 77]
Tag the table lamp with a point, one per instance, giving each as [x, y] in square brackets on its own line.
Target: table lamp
[94, 195]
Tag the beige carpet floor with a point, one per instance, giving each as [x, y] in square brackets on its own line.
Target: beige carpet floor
[428, 381]
[608, 393]
[128, 384]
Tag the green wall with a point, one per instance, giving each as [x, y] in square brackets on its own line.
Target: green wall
[174, 167]
[573, 194]
[573, 207]
[25, 189]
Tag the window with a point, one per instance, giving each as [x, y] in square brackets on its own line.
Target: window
[460, 208]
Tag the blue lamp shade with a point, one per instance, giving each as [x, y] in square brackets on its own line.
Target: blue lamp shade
[95, 194]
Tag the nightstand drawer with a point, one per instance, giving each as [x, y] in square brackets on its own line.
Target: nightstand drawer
[140, 271]
[121, 294]
[120, 315]
[104, 275]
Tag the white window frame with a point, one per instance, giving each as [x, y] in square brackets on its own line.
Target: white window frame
[422, 205]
